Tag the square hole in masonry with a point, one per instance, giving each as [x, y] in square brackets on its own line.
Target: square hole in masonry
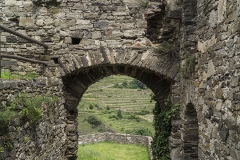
[76, 40]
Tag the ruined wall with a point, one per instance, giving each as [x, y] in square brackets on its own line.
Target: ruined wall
[115, 137]
[209, 52]
[46, 139]
[87, 24]
[212, 86]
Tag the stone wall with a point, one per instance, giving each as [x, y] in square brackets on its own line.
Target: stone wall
[45, 140]
[212, 88]
[118, 138]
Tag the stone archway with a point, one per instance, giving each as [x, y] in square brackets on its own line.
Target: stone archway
[78, 82]
[190, 133]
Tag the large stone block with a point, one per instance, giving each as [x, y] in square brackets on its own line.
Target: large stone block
[96, 35]
[211, 68]
[90, 15]
[133, 33]
[222, 7]
[122, 13]
[26, 21]
[213, 18]
[202, 46]
[10, 2]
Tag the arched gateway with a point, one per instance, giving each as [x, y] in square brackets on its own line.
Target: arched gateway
[138, 63]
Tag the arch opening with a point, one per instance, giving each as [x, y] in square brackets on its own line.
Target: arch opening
[122, 105]
[190, 133]
[78, 82]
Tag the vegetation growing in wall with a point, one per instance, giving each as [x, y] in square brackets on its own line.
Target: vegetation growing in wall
[6, 116]
[1, 149]
[188, 68]
[6, 74]
[162, 125]
[144, 3]
[25, 107]
[164, 47]
[179, 3]
[7, 144]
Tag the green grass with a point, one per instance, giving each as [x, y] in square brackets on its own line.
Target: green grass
[112, 151]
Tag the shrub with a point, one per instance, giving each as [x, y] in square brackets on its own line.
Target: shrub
[143, 132]
[93, 121]
[119, 114]
[138, 119]
[97, 106]
[90, 106]
[134, 84]
[32, 107]
[6, 116]
[128, 131]
[125, 84]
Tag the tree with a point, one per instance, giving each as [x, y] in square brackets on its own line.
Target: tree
[119, 114]
[137, 84]
[125, 84]
[90, 106]
[93, 121]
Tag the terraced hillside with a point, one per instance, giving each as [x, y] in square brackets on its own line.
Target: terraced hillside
[114, 94]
